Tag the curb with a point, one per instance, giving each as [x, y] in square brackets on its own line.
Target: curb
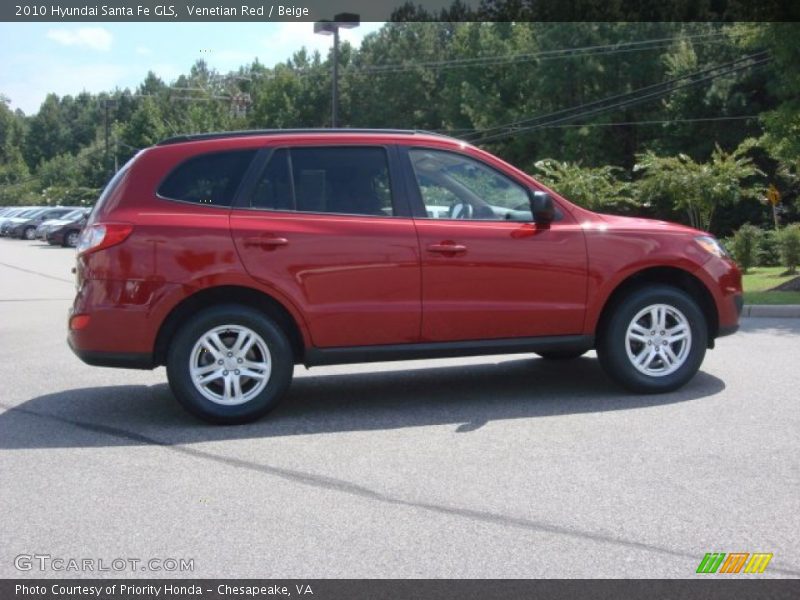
[776, 311]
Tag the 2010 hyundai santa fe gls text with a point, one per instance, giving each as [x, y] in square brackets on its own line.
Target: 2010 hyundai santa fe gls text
[230, 258]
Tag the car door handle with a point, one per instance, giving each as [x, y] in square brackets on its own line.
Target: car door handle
[265, 242]
[447, 248]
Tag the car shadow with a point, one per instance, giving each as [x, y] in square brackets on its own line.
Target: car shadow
[466, 397]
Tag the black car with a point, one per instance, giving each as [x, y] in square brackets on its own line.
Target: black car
[67, 232]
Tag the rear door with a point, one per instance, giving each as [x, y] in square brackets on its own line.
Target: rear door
[327, 227]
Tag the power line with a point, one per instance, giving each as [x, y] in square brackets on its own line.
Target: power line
[625, 100]
[633, 94]
[640, 45]
[561, 53]
[455, 132]
[620, 123]
[653, 122]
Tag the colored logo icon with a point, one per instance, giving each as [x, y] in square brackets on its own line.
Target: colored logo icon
[732, 563]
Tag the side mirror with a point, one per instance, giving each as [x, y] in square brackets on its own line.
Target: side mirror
[542, 208]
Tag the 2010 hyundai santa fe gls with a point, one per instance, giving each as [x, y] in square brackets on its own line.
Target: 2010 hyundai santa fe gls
[230, 258]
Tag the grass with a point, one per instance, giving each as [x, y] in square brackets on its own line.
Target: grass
[759, 280]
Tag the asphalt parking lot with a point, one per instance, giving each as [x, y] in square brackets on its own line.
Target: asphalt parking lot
[466, 468]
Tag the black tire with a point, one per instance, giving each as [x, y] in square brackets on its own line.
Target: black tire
[561, 354]
[29, 233]
[66, 240]
[613, 344]
[229, 315]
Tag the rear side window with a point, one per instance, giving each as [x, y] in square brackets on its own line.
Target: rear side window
[210, 179]
[340, 180]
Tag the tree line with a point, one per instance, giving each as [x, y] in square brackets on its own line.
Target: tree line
[684, 121]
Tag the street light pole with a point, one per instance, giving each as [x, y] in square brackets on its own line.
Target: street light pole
[324, 27]
[335, 85]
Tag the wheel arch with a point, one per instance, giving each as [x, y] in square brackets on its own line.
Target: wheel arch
[228, 294]
[664, 275]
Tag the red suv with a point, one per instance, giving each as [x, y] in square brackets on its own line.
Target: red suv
[231, 257]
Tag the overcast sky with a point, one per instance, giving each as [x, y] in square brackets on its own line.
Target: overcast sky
[67, 58]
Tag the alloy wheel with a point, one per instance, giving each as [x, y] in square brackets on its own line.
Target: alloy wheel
[658, 340]
[230, 365]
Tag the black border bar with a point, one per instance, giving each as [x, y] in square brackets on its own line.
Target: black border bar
[397, 10]
[715, 587]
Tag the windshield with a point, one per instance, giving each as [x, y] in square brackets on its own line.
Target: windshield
[74, 215]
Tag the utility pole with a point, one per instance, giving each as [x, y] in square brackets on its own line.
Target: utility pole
[325, 27]
[107, 104]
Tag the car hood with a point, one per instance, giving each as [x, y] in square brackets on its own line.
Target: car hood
[641, 224]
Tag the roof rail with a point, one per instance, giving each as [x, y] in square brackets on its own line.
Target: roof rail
[192, 137]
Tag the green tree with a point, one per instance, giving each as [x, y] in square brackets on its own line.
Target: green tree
[146, 125]
[700, 189]
[745, 246]
[596, 188]
[789, 246]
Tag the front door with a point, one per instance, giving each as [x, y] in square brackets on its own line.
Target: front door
[488, 272]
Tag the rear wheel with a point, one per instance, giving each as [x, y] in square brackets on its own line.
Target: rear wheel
[654, 341]
[29, 233]
[230, 364]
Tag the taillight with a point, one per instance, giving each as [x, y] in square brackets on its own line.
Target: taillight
[78, 322]
[102, 236]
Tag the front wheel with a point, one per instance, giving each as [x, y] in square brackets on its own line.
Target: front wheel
[29, 233]
[230, 364]
[654, 340]
[71, 239]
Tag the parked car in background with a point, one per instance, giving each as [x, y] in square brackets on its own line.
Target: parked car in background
[67, 230]
[12, 212]
[73, 215]
[18, 217]
[24, 226]
[230, 258]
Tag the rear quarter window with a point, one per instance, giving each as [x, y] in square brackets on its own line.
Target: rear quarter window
[208, 179]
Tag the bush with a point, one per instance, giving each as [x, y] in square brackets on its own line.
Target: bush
[768, 253]
[727, 243]
[789, 245]
[745, 245]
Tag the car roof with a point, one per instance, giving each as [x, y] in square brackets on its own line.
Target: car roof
[302, 132]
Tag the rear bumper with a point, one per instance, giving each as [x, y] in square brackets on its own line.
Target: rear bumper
[119, 360]
[120, 324]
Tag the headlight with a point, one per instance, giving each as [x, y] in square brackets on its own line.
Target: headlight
[711, 245]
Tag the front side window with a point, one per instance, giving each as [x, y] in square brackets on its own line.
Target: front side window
[210, 179]
[454, 186]
[339, 180]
